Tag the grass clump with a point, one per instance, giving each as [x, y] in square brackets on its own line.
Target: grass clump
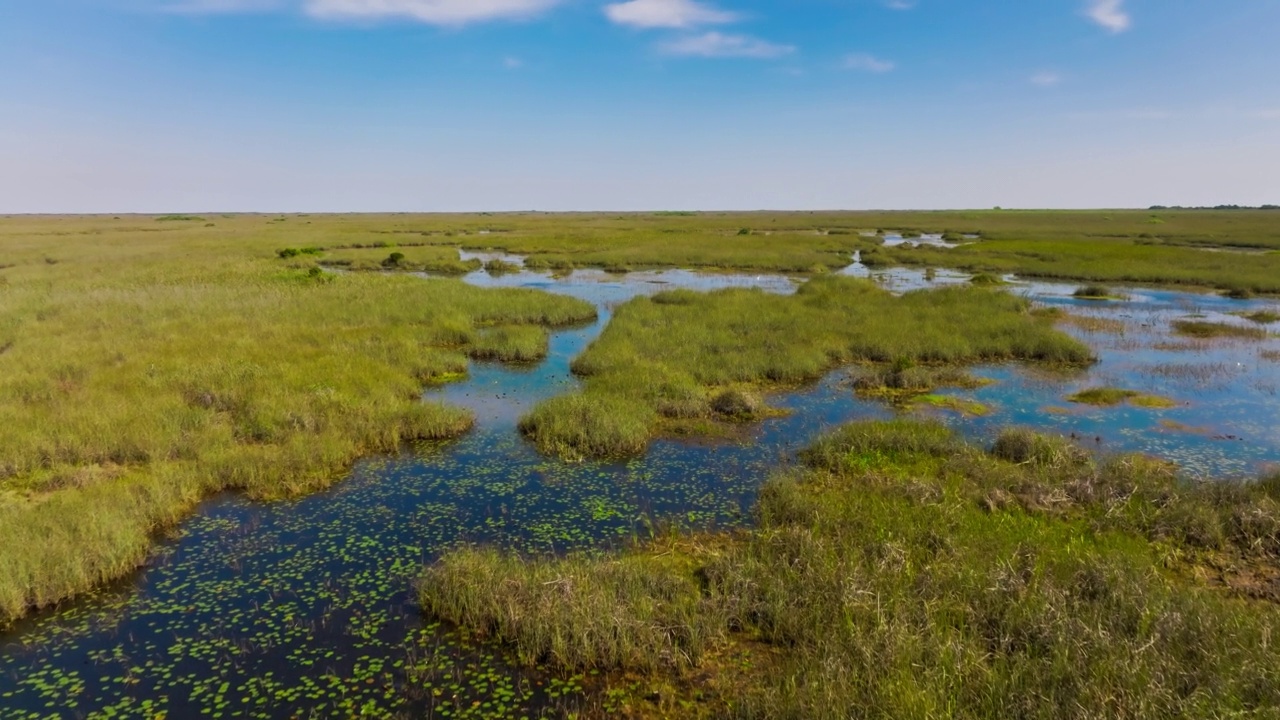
[498, 267]
[677, 352]
[900, 572]
[1110, 397]
[987, 279]
[1262, 317]
[578, 426]
[293, 252]
[513, 343]
[1207, 330]
[1096, 292]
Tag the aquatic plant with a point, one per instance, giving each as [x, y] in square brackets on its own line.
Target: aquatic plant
[1096, 292]
[1211, 330]
[1108, 396]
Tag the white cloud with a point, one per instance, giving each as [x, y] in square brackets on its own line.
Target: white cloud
[1046, 79]
[666, 14]
[900, 4]
[432, 12]
[1110, 14]
[714, 44]
[868, 63]
[512, 62]
[1265, 114]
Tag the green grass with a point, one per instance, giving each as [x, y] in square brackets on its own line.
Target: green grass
[1114, 248]
[1212, 330]
[146, 370]
[1262, 317]
[900, 572]
[514, 344]
[1109, 397]
[1096, 292]
[439, 260]
[670, 357]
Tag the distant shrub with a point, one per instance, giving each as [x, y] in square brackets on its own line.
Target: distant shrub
[394, 260]
[287, 253]
[179, 218]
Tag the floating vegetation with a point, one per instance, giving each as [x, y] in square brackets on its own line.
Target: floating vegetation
[1261, 317]
[1095, 324]
[949, 402]
[1107, 397]
[498, 267]
[1097, 292]
[1211, 330]
[987, 279]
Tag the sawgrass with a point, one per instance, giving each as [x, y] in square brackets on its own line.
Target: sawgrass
[900, 572]
[669, 357]
[143, 370]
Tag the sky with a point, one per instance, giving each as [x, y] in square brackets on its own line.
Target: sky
[464, 105]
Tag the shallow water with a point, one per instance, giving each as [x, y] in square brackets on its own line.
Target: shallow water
[305, 608]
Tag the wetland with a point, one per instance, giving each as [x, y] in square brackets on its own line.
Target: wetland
[640, 438]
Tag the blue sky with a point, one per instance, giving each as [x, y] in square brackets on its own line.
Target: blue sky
[443, 105]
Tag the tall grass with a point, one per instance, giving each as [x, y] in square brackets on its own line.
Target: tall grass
[903, 573]
[670, 356]
[144, 371]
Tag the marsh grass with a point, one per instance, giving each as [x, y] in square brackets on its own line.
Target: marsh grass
[670, 356]
[513, 344]
[154, 370]
[1262, 317]
[1206, 330]
[901, 381]
[900, 572]
[436, 260]
[1109, 397]
[1097, 292]
[498, 267]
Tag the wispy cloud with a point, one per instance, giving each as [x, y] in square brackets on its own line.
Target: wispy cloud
[215, 7]
[714, 44]
[1046, 79]
[900, 4]
[666, 14]
[1265, 114]
[868, 63]
[1110, 14]
[432, 12]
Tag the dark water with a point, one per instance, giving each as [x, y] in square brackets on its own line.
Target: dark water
[305, 608]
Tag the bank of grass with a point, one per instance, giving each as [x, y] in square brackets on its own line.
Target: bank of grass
[900, 572]
[1119, 258]
[142, 372]
[1110, 397]
[674, 356]
[1207, 330]
[442, 260]
[1096, 292]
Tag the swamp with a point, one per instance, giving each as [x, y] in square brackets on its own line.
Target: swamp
[747, 465]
